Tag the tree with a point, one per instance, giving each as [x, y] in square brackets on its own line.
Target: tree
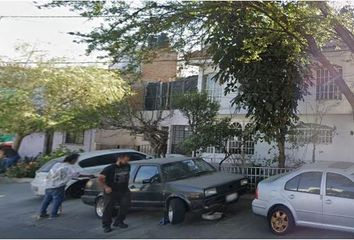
[246, 29]
[129, 114]
[206, 129]
[46, 98]
[200, 113]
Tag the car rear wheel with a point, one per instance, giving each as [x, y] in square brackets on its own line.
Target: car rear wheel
[99, 207]
[176, 211]
[281, 220]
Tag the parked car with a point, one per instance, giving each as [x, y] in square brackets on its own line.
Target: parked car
[316, 195]
[176, 184]
[88, 163]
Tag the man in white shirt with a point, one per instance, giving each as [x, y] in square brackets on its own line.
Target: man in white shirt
[59, 175]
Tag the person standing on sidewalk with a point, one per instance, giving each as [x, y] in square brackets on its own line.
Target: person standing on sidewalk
[9, 156]
[59, 175]
[115, 179]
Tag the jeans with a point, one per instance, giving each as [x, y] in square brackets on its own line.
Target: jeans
[110, 201]
[11, 161]
[55, 195]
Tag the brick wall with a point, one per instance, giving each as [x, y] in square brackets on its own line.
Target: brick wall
[162, 69]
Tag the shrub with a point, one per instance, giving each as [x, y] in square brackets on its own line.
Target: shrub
[28, 166]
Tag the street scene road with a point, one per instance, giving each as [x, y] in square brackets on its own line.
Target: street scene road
[18, 209]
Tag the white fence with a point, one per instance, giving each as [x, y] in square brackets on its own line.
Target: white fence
[254, 174]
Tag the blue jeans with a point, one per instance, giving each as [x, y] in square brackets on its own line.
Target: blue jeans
[55, 195]
[11, 161]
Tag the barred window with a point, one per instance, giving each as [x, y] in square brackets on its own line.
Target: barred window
[326, 88]
[213, 88]
[313, 133]
[179, 134]
[74, 137]
[237, 145]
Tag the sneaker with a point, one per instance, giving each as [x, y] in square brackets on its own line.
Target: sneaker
[122, 225]
[43, 215]
[53, 216]
[107, 229]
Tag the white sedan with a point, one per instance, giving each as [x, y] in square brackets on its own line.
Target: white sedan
[88, 163]
[316, 195]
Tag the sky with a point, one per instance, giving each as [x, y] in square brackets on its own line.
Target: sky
[47, 35]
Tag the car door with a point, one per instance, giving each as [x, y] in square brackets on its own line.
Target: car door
[303, 192]
[146, 188]
[338, 202]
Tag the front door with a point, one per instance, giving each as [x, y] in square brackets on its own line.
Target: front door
[338, 202]
[146, 187]
[303, 193]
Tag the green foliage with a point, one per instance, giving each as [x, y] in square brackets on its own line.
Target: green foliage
[198, 109]
[47, 98]
[27, 168]
[260, 48]
[201, 113]
[23, 170]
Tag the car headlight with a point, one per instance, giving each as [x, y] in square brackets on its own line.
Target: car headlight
[210, 192]
[244, 182]
[89, 184]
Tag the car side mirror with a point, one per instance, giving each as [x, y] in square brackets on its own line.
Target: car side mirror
[146, 181]
[154, 179]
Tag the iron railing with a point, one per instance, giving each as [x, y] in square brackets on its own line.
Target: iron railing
[254, 174]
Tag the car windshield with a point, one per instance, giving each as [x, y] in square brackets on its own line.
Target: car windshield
[46, 167]
[186, 169]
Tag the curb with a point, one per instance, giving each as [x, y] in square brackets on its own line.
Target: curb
[15, 180]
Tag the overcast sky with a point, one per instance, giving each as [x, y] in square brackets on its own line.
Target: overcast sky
[48, 34]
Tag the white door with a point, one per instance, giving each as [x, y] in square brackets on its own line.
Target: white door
[338, 202]
[303, 193]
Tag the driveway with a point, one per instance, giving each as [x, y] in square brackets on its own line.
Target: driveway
[18, 208]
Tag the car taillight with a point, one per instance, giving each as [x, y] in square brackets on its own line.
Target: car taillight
[257, 193]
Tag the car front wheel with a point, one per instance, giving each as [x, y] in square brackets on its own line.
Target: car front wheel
[99, 207]
[281, 220]
[176, 211]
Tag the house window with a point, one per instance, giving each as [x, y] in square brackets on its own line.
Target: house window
[238, 144]
[74, 137]
[160, 96]
[213, 88]
[235, 143]
[248, 141]
[326, 88]
[312, 133]
[179, 134]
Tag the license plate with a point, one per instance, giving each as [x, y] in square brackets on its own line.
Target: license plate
[231, 197]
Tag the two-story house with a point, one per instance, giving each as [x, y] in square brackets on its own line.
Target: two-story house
[325, 130]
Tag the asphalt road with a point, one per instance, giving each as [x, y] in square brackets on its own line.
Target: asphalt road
[18, 209]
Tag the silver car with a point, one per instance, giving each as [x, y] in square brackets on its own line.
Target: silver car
[316, 195]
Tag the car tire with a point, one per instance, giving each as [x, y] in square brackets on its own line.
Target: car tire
[281, 220]
[176, 211]
[76, 190]
[99, 207]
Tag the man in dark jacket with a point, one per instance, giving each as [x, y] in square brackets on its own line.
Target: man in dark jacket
[115, 179]
[9, 156]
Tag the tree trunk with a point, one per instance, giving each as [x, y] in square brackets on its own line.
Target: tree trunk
[314, 153]
[344, 33]
[17, 142]
[48, 142]
[344, 88]
[281, 150]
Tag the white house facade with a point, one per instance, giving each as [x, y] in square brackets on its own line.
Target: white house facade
[325, 130]
[326, 127]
